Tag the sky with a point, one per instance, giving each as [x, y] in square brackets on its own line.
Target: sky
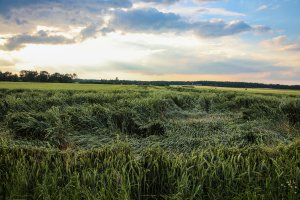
[221, 40]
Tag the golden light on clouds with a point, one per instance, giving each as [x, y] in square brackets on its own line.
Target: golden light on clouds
[184, 40]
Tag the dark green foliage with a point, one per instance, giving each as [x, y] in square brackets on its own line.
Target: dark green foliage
[34, 76]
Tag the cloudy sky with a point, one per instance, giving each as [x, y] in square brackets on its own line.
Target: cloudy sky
[232, 40]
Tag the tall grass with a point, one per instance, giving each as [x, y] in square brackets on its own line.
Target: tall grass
[145, 114]
[180, 143]
[116, 172]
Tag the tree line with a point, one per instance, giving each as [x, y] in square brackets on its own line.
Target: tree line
[44, 76]
[35, 76]
[192, 83]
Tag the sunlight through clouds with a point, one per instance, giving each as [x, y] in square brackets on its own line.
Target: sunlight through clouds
[151, 39]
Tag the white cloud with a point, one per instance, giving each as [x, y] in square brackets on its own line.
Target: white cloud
[262, 7]
[219, 11]
[267, 7]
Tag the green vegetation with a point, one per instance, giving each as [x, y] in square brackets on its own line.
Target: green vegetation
[253, 90]
[74, 141]
[34, 76]
[62, 86]
[44, 77]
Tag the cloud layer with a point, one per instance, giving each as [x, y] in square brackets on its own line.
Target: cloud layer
[8, 5]
[42, 37]
[150, 37]
[143, 20]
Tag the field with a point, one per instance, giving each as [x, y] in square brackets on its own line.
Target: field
[83, 141]
[253, 90]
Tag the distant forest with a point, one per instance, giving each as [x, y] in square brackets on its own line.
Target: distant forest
[192, 83]
[44, 76]
[34, 76]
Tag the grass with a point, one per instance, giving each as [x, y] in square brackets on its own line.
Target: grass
[73, 141]
[115, 172]
[253, 90]
[61, 86]
[101, 87]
